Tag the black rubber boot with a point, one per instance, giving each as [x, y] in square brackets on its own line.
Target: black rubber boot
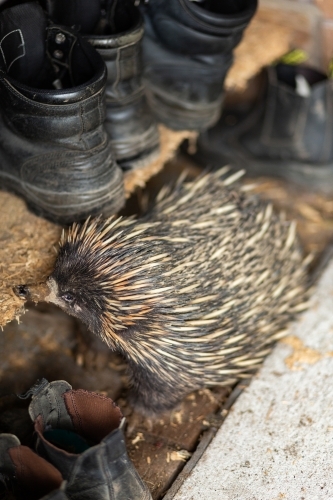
[27, 475]
[288, 133]
[80, 433]
[187, 52]
[116, 33]
[54, 149]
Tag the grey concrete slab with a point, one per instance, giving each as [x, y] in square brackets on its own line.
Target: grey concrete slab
[277, 441]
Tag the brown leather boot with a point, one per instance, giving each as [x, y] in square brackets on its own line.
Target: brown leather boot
[80, 433]
[26, 474]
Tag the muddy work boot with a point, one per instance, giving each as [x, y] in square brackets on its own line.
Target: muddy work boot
[26, 475]
[115, 29]
[54, 149]
[80, 433]
[287, 134]
[187, 53]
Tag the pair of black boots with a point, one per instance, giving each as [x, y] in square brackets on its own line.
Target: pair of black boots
[81, 452]
[56, 149]
[56, 60]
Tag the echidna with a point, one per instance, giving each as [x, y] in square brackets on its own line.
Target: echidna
[193, 294]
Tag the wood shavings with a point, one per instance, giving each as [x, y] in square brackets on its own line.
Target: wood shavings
[312, 211]
[139, 437]
[169, 142]
[272, 32]
[180, 455]
[209, 394]
[26, 252]
[277, 42]
[176, 418]
[301, 354]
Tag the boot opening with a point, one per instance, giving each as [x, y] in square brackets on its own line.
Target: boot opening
[288, 74]
[226, 7]
[51, 59]
[92, 417]
[95, 17]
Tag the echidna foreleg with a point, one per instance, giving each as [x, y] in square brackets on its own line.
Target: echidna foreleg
[153, 392]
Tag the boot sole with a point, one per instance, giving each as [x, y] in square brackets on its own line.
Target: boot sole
[137, 151]
[181, 115]
[141, 161]
[105, 201]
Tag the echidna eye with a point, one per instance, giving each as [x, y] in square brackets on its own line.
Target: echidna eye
[68, 297]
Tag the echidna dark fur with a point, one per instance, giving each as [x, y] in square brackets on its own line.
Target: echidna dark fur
[193, 294]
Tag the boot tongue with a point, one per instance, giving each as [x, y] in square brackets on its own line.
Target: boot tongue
[22, 43]
[121, 16]
[300, 78]
[94, 17]
[84, 15]
[226, 7]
